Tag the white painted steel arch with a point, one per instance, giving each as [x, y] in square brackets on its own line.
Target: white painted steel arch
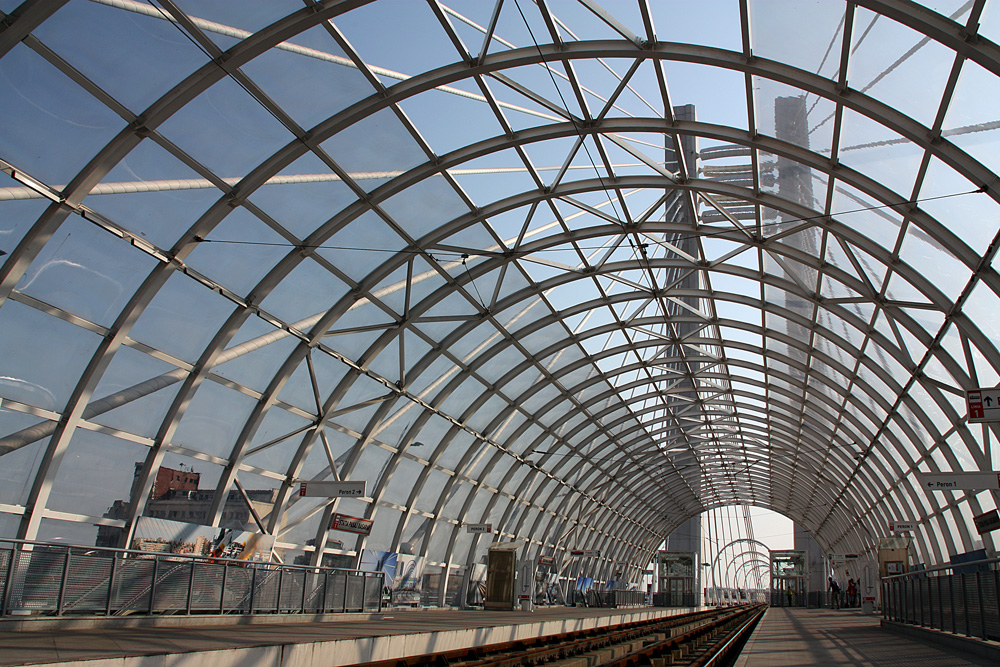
[579, 273]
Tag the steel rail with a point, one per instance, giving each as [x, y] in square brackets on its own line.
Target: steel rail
[670, 634]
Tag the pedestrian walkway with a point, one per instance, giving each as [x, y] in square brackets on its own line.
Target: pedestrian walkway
[798, 637]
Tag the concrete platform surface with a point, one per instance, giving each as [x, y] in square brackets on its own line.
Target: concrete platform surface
[211, 643]
[799, 637]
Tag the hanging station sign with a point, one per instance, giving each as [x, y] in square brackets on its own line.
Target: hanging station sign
[983, 404]
[479, 527]
[987, 522]
[585, 553]
[960, 481]
[351, 524]
[333, 489]
[902, 526]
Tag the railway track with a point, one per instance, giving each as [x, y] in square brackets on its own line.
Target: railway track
[699, 639]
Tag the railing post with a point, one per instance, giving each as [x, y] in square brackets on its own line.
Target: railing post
[920, 595]
[347, 585]
[222, 591]
[62, 582]
[364, 590]
[190, 588]
[982, 606]
[951, 597]
[996, 591]
[305, 579]
[965, 606]
[940, 605]
[326, 586]
[4, 602]
[152, 584]
[281, 580]
[111, 583]
[253, 587]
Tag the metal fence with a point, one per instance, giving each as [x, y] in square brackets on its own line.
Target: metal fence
[960, 598]
[47, 579]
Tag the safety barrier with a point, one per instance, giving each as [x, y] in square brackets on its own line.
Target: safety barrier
[959, 598]
[49, 579]
[611, 599]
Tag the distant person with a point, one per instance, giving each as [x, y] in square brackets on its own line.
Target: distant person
[852, 593]
[834, 589]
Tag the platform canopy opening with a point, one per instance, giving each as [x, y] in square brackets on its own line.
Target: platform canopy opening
[575, 272]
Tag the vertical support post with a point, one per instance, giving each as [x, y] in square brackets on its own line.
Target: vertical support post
[111, 583]
[326, 587]
[940, 605]
[222, 590]
[996, 591]
[253, 587]
[190, 593]
[951, 596]
[965, 606]
[305, 580]
[920, 595]
[281, 580]
[15, 552]
[152, 584]
[364, 590]
[347, 585]
[62, 581]
[982, 606]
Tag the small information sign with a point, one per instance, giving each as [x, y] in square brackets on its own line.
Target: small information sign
[585, 553]
[479, 527]
[546, 561]
[333, 489]
[987, 522]
[983, 404]
[351, 524]
[902, 526]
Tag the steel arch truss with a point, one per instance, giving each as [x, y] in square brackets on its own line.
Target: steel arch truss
[581, 315]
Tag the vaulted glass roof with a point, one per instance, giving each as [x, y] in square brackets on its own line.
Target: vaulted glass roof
[577, 271]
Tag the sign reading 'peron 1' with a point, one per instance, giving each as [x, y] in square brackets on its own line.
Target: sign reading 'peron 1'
[960, 481]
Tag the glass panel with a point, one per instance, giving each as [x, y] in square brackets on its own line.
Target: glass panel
[160, 197]
[134, 57]
[311, 77]
[86, 271]
[39, 101]
[238, 252]
[718, 95]
[50, 356]
[214, 419]
[806, 36]
[96, 471]
[898, 66]
[182, 318]
[226, 129]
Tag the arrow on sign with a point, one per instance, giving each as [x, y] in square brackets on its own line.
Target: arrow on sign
[988, 401]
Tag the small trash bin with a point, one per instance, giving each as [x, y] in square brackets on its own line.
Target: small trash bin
[526, 604]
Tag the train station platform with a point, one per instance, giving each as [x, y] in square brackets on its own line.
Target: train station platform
[798, 637]
[289, 641]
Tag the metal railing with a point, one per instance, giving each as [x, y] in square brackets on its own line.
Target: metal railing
[610, 599]
[959, 598]
[52, 579]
